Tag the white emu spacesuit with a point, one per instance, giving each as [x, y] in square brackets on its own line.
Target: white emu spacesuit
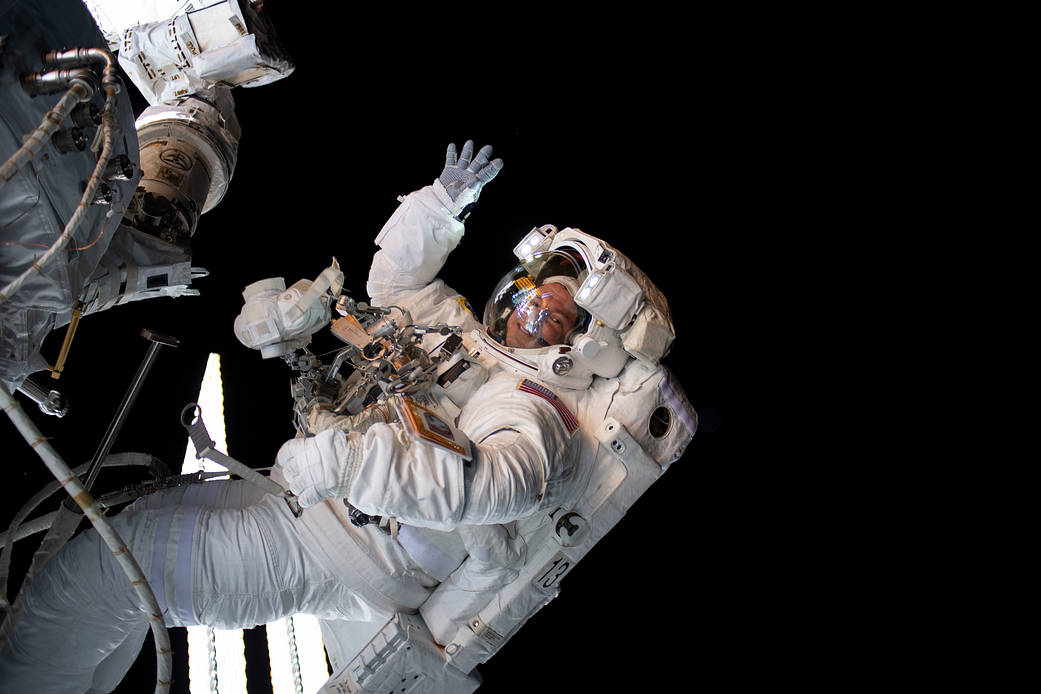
[493, 444]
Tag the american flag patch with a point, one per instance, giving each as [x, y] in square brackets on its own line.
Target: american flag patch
[569, 420]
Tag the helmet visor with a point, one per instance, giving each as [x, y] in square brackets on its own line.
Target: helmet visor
[533, 304]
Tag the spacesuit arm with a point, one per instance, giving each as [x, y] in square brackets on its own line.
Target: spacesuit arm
[381, 472]
[414, 244]
[384, 472]
[427, 225]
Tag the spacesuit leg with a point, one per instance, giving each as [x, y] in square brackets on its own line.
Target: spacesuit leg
[110, 671]
[73, 618]
[219, 553]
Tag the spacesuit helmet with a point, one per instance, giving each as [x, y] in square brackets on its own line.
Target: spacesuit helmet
[572, 308]
[533, 305]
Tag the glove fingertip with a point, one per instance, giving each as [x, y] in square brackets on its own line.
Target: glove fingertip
[490, 171]
[467, 152]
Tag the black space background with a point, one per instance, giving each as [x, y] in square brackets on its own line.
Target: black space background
[656, 134]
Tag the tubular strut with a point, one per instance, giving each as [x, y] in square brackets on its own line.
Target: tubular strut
[108, 534]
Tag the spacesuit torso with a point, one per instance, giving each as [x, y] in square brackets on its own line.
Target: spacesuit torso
[519, 432]
[519, 438]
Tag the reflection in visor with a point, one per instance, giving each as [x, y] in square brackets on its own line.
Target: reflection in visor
[524, 284]
[544, 316]
[532, 305]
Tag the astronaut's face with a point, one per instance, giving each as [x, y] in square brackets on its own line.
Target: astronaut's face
[547, 316]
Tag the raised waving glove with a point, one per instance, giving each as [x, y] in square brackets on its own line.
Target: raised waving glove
[464, 175]
[320, 467]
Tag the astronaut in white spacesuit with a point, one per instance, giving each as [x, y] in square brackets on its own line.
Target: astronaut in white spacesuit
[227, 554]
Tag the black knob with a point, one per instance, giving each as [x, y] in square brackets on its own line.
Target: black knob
[86, 115]
[69, 140]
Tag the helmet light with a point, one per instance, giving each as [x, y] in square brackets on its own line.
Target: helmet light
[611, 295]
[533, 241]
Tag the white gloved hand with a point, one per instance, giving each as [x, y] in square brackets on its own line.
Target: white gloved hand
[320, 467]
[463, 178]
